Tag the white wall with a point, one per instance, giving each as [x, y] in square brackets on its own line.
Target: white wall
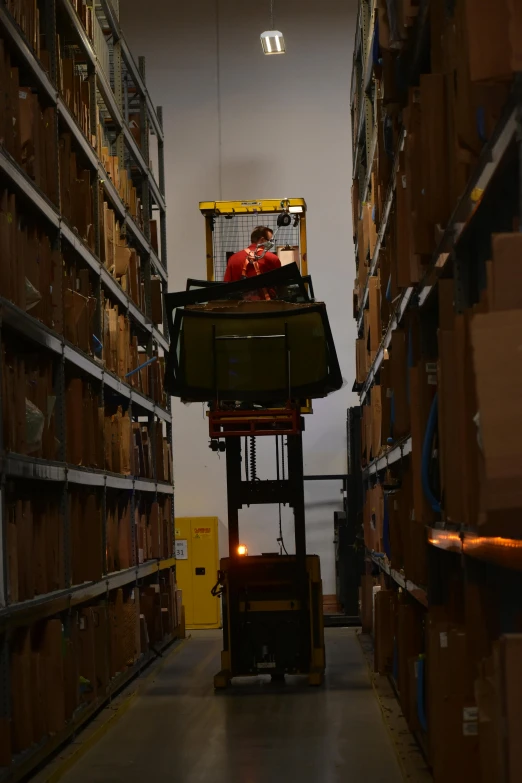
[239, 125]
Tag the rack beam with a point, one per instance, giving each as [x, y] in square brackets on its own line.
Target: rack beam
[419, 593]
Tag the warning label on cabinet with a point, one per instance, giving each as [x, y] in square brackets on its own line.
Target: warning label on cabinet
[202, 532]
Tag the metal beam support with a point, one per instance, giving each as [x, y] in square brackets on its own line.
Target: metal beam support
[233, 492]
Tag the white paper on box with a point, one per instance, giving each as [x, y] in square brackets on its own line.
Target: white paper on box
[443, 639]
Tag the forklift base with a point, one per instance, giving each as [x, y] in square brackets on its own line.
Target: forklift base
[223, 679]
[272, 618]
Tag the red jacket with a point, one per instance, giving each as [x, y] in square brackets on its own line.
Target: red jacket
[236, 265]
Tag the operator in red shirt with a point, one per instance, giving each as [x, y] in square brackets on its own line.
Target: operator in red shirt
[253, 260]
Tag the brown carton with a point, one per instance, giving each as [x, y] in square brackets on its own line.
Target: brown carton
[496, 340]
[384, 631]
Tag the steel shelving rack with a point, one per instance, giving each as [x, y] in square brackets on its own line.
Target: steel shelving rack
[507, 133]
[446, 565]
[118, 86]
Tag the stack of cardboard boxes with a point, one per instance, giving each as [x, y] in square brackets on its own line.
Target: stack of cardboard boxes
[455, 672]
[31, 270]
[441, 125]
[56, 672]
[153, 524]
[108, 439]
[79, 308]
[494, 337]
[85, 12]
[74, 86]
[76, 196]
[28, 400]
[459, 694]
[27, 128]
[122, 261]
[86, 535]
[27, 15]
[84, 423]
[58, 667]
[34, 542]
[120, 177]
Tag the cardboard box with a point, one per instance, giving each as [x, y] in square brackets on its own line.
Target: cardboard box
[51, 651]
[496, 340]
[515, 33]
[423, 385]
[117, 662]
[399, 369]
[21, 698]
[376, 405]
[156, 299]
[488, 28]
[375, 327]
[487, 698]
[507, 272]
[452, 709]
[101, 646]
[384, 631]
[87, 654]
[410, 644]
[509, 684]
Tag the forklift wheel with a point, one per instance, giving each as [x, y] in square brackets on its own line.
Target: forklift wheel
[316, 678]
[222, 681]
[278, 679]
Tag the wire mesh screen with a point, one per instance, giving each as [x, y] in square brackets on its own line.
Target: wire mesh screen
[232, 234]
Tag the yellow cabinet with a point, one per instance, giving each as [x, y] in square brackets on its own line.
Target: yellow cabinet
[197, 564]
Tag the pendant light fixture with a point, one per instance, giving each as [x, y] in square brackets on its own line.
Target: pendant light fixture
[272, 40]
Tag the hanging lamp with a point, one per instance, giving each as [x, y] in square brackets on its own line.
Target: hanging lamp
[272, 41]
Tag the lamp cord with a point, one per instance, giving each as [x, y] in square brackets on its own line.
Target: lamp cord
[272, 14]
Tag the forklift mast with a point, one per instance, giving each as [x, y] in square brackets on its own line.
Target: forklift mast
[258, 362]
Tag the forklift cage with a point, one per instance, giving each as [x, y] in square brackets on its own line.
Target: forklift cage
[246, 214]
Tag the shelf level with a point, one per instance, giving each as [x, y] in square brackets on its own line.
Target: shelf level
[419, 593]
[22, 467]
[392, 455]
[36, 332]
[42, 606]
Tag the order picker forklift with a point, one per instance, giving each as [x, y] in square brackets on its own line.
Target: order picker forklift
[258, 362]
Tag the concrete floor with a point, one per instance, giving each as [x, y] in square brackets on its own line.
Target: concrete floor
[180, 730]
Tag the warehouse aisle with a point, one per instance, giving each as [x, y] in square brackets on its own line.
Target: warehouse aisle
[179, 729]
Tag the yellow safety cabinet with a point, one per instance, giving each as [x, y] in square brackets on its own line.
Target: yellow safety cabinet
[197, 564]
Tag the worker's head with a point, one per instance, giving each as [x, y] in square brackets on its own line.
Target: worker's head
[261, 234]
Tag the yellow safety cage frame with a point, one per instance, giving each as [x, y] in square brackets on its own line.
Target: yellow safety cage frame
[212, 209]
